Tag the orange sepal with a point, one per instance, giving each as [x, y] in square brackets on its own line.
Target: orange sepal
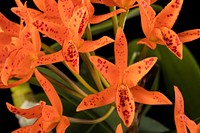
[121, 50]
[100, 18]
[149, 97]
[189, 35]
[125, 104]
[89, 46]
[63, 125]
[49, 91]
[33, 112]
[136, 71]
[102, 98]
[107, 69]
[148, 43]
[119, 129]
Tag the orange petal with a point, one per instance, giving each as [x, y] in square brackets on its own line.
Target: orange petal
[149, 97]
[105, 2]
[107, 69]
[189, 35]
[8, 26]
[102, 98]
[71, 55]
[189, 123]
[51, 8]
[79, 21]
[179, 109]
[65, 8]
[121, 50]
[50, 114]
[50, 91]
[147, 17]
[40, 4]
[90, 46]
[100, 18]
[168, 16]
[50, 58]
[50, 29]
[119, 129]
[172, 42]
[136, 71]
[34, 112]
[62, 125]
[35, 39]
[125, 104]
[8, 67]
[148, 43]
[179, 102]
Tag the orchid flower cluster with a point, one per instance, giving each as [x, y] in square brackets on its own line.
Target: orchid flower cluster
[118, 83]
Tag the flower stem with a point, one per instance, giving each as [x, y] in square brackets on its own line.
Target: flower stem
[67, 79]
[144, 52]
[98, 120]
[114, 19]
[93, 72]
[122, 19]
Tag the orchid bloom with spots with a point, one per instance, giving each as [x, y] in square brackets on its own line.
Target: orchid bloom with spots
[123, 83]
[20, 50]
[181, 120]
[157, 29]
[48, 117]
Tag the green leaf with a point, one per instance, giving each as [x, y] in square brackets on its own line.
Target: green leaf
[183, 73]
[149, 125]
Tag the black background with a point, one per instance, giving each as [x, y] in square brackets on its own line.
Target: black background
[189, 18]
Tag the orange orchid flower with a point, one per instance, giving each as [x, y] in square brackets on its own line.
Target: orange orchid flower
[181, 120]
[21, 46]
[157, 29]
[48, 116]
[123, 83]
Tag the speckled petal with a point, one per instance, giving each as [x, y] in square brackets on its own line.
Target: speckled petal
[179, 109]
[125, 104]
[119, 129]
[102, 98]
[50, 114]
[105, 2]
[189, 35]
[79, 21]
[168, 16]
[149, 97]
[147, 17]
[34, 112]
[148, 43]
[8, 26]
[100, 18]
[172, 42]
[49, 91]
[50, 29]
[51, 8]
[121, 50]
[136, 71]
[65, 8]
[71, 55]
[90, 46]
[62, 125]
[192, 126]
[107, 69]
[40, 4]
[50, 58]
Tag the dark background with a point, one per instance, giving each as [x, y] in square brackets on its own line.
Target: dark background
[189, 18]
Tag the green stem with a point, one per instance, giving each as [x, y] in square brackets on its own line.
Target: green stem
[62, 86]
[67, 79]
[93, 71]
[88, 32]
[104, 81]
[98, 120]
[144, 52]
[78, 77]
[122, 18]
[114, 19]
